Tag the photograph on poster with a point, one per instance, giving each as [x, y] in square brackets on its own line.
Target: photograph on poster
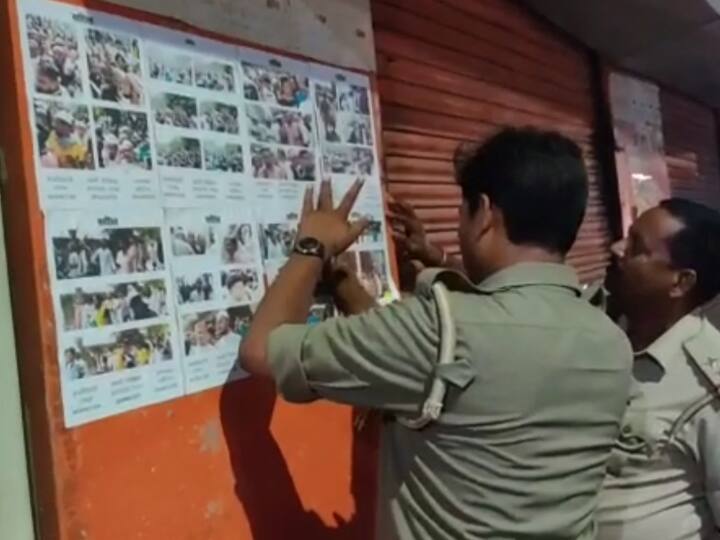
[90, 252]
[348, 160]
[338, 124]
[277, 239]
[122, 138]
[194, 239]
[63, 135]
[213, 75]
[239, 244]
[170, 66]
[178, 151]
[102, 304]
[353, 99]
[279, 126]
[355, 130]
[282, 163]
[54, 57]
[120, 351]
[222, 156]
[373, 273]
[114, 67]
[240, 285]
[219, 117]
[210, 332]
[175, 110]
[373, 232]
[273, 86]
[192, 288]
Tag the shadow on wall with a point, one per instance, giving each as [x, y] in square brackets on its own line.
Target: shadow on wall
[263, 484]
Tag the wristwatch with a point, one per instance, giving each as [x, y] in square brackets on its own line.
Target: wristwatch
[310, 247]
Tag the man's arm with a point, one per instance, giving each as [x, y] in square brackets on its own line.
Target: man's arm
[289, 298]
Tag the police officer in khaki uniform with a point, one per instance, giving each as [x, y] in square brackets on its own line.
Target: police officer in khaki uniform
[506, 388]
[663, 479]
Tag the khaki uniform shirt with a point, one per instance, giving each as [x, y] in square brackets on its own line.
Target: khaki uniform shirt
[664, 476]
[536, 396]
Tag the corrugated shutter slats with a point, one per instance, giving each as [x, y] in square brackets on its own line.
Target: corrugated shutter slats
[452, 71]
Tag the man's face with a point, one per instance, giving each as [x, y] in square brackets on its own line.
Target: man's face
[202, 334]
[643, 276]
[62, 128]
[59, 53]
[222, 326]
[47, 84]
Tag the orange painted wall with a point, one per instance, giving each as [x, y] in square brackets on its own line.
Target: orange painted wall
[235, 463]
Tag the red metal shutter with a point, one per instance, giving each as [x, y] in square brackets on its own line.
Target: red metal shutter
[691, 149]
[458, 70]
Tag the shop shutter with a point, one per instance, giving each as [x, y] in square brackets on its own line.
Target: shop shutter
[458, 70]
[691, 149]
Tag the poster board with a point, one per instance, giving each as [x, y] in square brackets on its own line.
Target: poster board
[179, 469]
[171, 171]
[638, 129]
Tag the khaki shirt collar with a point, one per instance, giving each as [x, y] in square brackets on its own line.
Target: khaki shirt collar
[528, 274]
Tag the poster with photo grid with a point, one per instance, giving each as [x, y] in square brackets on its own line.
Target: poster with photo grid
[171, 170]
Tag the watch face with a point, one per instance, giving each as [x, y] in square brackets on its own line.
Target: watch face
[309, 244]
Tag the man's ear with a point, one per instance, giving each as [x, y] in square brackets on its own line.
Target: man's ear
[685, 282]
[484, 218]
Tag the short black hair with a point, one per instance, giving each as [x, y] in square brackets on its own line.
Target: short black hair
[697, 245]
[537, 179]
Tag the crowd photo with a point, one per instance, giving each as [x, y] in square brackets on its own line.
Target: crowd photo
[355, 130]
[214, 331]
[216, 76]
[107, 252]
[282, 164]
[180, 152]
[114, 67]
[277, 240]
[219, 117]
[54, 57]
[191, 289]
[63, 135]
[170, 67]
[122, 138]
[241, 285]
[279, 126]
[192, 240]
[121, 351]
[110, 305]
[175, 110]
[222, 156]
[353, 99]
[239, 245]
[274, 87]
[348, 160]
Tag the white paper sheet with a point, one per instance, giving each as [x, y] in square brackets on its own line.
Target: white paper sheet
[117, 338]
[198, 119]
[217, 278]
[85, 88]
